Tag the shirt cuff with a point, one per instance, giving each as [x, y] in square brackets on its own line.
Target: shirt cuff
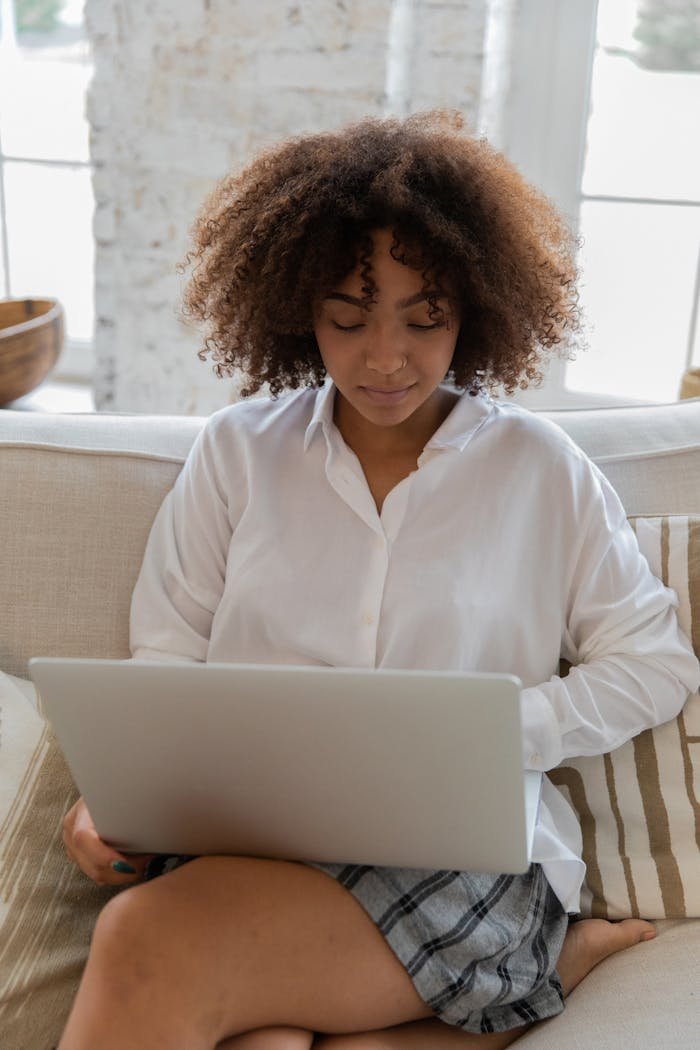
[541, 732]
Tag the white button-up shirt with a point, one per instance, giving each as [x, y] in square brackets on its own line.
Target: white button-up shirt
[503, 551]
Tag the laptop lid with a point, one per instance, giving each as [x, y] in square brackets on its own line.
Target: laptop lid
[419, 769]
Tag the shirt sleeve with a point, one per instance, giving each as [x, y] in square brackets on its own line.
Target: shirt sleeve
[633, 667]
[184, 566]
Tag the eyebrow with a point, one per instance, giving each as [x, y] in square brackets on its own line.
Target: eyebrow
[403, 304]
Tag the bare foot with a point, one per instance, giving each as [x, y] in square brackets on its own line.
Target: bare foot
[589, 941]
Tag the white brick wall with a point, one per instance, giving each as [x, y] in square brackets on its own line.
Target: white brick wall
[448, 61]
[183, 91]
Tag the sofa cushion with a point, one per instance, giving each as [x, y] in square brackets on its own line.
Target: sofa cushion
[638, 805]
[70, 560]
[47, 907]
[645, 997]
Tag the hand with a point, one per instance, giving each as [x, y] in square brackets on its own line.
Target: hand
[94, 856]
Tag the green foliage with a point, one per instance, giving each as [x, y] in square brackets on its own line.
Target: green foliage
[668, 35]
[38, 16]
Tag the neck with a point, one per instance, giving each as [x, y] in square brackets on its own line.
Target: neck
[405, 440]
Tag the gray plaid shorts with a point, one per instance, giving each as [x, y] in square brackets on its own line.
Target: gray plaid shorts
[481, 950]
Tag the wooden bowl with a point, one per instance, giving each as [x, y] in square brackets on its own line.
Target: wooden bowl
[690, 384]
[31, 337]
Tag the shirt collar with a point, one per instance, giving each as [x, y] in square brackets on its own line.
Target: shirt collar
[462, 423]
[322, 414]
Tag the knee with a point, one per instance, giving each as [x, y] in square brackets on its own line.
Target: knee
[125, 926]
[147, 920]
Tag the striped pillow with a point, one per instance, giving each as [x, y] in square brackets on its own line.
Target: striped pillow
[47, 907]
[638, 805]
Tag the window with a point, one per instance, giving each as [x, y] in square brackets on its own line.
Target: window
[617, 95]
[640, 205]
[46, 201]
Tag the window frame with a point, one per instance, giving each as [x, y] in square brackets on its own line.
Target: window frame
[543, 129]
[76, 361]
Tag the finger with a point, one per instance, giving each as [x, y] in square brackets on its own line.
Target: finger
[132, 865]
[111, 868]
[100, 861]
[91, 853]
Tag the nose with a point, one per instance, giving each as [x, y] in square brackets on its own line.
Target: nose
[384, 353]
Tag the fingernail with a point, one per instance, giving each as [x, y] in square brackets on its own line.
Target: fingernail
[649, 936]
[123, 868]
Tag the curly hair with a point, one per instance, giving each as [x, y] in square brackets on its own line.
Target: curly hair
[275, 239]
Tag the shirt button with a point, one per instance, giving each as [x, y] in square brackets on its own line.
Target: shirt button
[368, 619]
[535, 758]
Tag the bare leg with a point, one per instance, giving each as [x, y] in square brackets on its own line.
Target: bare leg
[587, 943]
[214, 950]
[419, 1035]
[226, 945]
[270, 1039]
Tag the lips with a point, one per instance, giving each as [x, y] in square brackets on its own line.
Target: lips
[386, 396]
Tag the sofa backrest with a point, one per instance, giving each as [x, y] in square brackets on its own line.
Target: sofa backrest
[650, 454]
[78, 495]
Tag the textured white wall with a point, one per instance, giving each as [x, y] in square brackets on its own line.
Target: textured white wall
[183, 91]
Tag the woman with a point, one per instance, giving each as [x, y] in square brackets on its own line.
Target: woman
[378, 517]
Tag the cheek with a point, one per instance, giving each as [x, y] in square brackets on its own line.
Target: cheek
[320, 332]
[444, 353]
[334, 357]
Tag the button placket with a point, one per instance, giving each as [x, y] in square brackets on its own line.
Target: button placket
[394, 509]
[370, 609]
[353, 490]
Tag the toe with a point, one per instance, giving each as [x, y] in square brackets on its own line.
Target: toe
[632, 931]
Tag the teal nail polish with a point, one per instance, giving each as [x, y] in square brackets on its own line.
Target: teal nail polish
[123, 868]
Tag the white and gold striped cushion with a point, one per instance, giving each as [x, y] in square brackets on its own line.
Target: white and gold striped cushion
[639, 805]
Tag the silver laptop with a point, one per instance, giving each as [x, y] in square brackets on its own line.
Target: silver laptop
[419, 769]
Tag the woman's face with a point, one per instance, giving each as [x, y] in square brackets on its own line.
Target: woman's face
[387, 361]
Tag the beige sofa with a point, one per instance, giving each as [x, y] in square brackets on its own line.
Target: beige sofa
[77, 497]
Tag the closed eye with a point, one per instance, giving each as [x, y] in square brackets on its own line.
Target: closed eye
[347, 327]
[428, 327]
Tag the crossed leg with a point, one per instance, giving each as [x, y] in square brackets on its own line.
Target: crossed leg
[249, 955]
[587, 943]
